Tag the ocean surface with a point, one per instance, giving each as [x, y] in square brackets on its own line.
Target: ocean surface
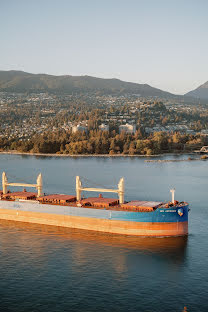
[45, 268]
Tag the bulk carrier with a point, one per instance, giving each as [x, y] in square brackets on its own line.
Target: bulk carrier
[137, 217]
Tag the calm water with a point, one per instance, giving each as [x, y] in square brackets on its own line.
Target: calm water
[48, 269]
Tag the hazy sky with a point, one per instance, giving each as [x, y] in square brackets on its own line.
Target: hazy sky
[160, 42]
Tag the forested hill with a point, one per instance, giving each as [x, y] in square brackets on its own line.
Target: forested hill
[18, 81]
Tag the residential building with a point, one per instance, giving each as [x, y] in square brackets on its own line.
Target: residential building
[131, 129]
[79, 128]
[104, 127]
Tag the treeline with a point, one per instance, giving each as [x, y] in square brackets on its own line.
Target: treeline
[101, 142]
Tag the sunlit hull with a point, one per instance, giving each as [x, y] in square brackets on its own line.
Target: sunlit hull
[161, 222]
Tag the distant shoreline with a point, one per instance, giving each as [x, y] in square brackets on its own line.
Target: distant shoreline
[89, 155]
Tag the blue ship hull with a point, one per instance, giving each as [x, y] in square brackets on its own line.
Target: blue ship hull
[161, 222]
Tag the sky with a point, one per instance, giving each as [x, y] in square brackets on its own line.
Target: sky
[159, 42]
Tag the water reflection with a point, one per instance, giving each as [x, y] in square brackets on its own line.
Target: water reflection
[171, 248]
[72, 270]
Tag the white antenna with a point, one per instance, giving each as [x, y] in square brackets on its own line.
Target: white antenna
[173, 195]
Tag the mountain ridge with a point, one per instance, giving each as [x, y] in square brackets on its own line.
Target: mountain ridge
[200, 92]
[20, 81]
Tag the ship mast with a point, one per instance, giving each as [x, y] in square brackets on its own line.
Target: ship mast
[119, 191]
[38, 186]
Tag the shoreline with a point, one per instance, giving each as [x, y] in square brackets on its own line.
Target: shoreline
[91, 155]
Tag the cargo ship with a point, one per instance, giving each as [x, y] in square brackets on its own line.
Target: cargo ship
[111, 215]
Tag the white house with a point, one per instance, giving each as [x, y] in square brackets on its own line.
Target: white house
[131, 129]
[79, 128]
[104, 127]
